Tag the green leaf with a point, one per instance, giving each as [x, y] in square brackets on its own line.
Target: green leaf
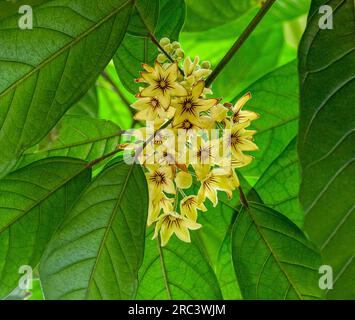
[10, 8]
[272, 257]
[215, 235]
[268, 47]
[203, 15]
[326, 138]
[225, 272]
[114, 106]
[178, 271]
[279, 185]
[134, 49]
[144, 17]
[78, 137]
[33, 202]
[47, 69]
[87, 106]
[99, 248]
[275, 98]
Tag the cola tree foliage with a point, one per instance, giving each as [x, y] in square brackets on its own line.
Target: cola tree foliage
[87, 224]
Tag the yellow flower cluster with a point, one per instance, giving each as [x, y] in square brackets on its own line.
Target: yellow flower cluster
[183, 173]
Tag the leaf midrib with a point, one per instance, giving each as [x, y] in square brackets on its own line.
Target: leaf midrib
[277, 259]
[78, 144]
[63, 49]
[108, 229]
[42, 199]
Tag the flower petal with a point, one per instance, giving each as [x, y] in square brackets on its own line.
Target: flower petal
[241, 102]
[183, 233]
[197, 89]
[177, 90]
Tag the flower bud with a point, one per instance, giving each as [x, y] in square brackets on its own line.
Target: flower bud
[206, 65]
[179, 53]
[168, 48]
[202, 73]
[176, 45]
[161, 58]
[164, 41]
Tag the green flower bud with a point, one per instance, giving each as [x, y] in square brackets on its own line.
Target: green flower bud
[168, 48]
[161, 58]
[206, 65]
[179, 53]
[164, 41]
[176, 45]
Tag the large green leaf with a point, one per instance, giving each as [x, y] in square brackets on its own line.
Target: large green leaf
[87, 106]
[137, 47]
[9, 8]
[33, 202]
[326, 140]
[215, 236]
[115, 105]
[47, 69]
[99, 248]
[203, 15]
[272, 257]
[275, 98]
[279, 185]
[78, 137]
[178, 271]
[225, 272]
[207, 14]
[265, 50]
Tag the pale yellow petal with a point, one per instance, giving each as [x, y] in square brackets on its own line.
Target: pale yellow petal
[172, 72]
[201, 206]
[165, 234]
[211, 194]
[190, 224]
[169, 187]
[198, 89]
[206, 104]
[219, 112]
[241, 102]
[148, 77]
[153, 213]
[177, 90]
[141, 104]
[202, 170]
[247, 115]
[183, 234]
[247, 145]
[151, 91]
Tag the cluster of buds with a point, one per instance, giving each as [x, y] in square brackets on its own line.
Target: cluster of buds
[173, 49]
[191, 145]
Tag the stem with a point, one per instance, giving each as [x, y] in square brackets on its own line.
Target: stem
[243, 198]
[107, 77]
[240, 41]
[104, 157]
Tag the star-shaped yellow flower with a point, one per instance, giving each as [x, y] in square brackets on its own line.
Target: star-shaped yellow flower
[191, 106]
[162, 83]
[160, 179]
[217, 179]
[238, 139]
[150, 109]
[163, 202]
[189, 206]
[172, 222]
